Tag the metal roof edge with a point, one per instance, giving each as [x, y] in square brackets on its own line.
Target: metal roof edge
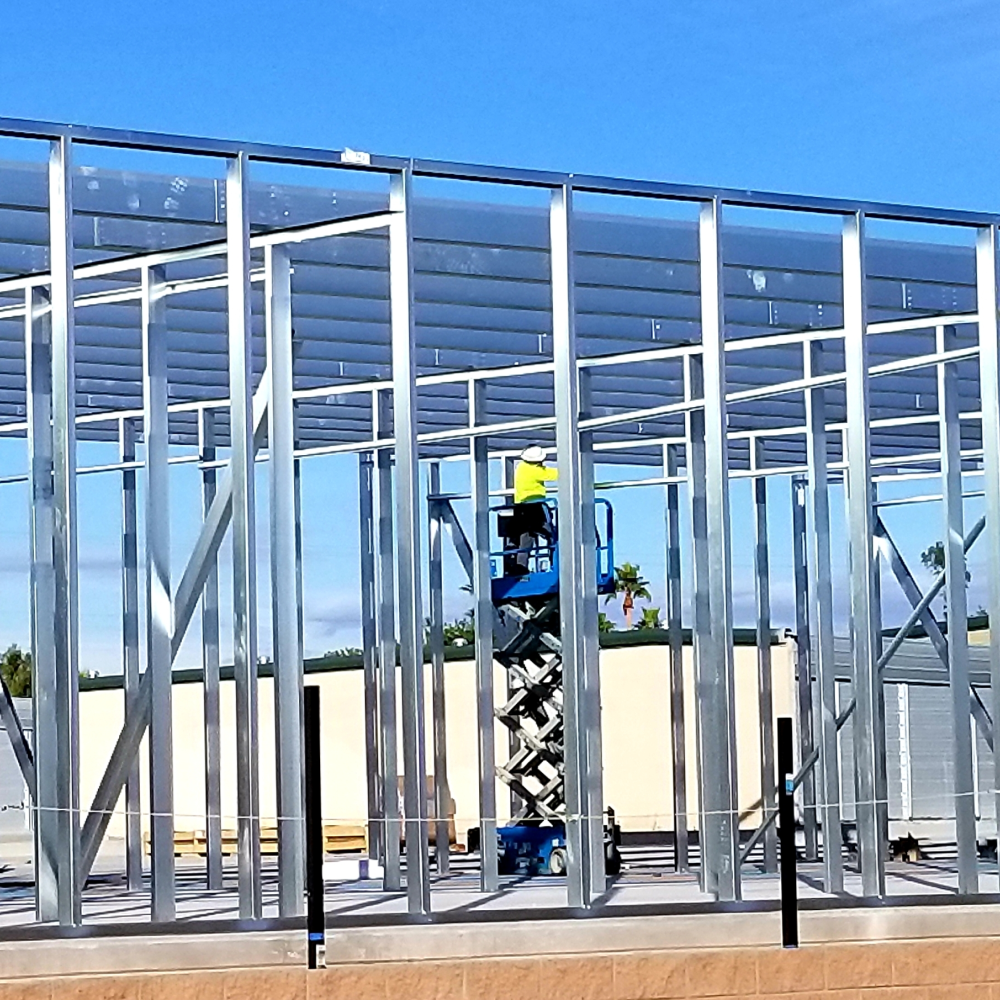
[167, 142]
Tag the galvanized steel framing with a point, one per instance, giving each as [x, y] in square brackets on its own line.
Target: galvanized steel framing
[698, 463]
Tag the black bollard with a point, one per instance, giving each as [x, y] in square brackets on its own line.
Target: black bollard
[315, 914]
[786, 817]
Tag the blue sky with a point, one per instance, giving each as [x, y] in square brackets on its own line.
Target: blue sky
[888, 99]
[882, 99]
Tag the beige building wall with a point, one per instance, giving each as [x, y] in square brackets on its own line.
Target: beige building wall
[636, 735]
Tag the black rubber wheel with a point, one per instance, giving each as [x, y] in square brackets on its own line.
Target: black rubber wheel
[557, 861]
[612, 859]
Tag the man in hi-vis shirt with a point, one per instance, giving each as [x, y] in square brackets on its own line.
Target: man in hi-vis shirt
[530, 509]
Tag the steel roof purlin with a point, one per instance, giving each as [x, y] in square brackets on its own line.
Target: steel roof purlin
[482, 302]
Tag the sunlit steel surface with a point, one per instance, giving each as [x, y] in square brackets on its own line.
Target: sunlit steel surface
[408, 311]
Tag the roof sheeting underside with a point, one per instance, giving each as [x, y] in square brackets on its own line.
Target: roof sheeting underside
[482, 300]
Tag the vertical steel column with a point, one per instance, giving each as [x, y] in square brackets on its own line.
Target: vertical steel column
[593, 772]
[210, 667]
[507, 472]
[38, 362]
[803, 657]
[287, 654]
[300, 619]
[720, 718]
[675, 631]
[957, 610]
[67, 677]
[869, 742]
[386, 631]
[442, 794]
[803, 638]
[765, 697]
[130, 643]
[159, 612]
[366, 486]
[244, 534]
[411, 644]
[988, 303]
[701, 633]
[817, 498]
[572, 612]
[513, 742]
[881, 772]
[489, 879]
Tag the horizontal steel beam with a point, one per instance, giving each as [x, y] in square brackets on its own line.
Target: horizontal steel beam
[158, 142]
[520, 371]
[158, 258]
[347, 159]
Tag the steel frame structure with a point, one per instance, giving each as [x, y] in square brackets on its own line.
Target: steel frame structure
[836, 380]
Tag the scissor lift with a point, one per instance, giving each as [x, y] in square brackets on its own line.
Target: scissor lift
[525, 592]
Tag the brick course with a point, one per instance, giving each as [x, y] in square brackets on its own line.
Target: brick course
[938, 969]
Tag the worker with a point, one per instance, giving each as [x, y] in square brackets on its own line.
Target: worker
[531, 512]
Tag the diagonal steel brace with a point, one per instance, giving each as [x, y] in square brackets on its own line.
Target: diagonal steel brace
[458, 537]
[189, 590]
[18, 741]
[920, 608]
[887, 547]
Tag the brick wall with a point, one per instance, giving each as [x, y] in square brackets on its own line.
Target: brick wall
[939, 969]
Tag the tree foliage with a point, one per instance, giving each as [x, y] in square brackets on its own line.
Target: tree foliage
[650, 619]
[933, 558]
[630, 584]
[461, 632]
[15, 668]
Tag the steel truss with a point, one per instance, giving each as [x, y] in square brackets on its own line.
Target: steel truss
[698, 431]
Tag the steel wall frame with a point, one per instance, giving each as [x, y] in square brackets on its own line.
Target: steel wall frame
[393, 563]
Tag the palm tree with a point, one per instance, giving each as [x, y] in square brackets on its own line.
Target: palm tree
[632, 586]
[650, 619]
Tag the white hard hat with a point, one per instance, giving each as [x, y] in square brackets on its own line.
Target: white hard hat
[534, 454]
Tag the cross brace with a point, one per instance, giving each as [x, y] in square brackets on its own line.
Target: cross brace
[192, 583]
[887, 547]
[920, 613]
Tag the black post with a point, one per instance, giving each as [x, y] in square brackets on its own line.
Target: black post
[786, 817]
[315, 915]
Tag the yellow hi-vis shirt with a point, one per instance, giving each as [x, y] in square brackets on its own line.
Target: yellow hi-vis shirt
[530, 480]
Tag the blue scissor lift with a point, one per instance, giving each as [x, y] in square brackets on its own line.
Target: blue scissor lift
[525, 592]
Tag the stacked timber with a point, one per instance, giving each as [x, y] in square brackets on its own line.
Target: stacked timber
[338, 838]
